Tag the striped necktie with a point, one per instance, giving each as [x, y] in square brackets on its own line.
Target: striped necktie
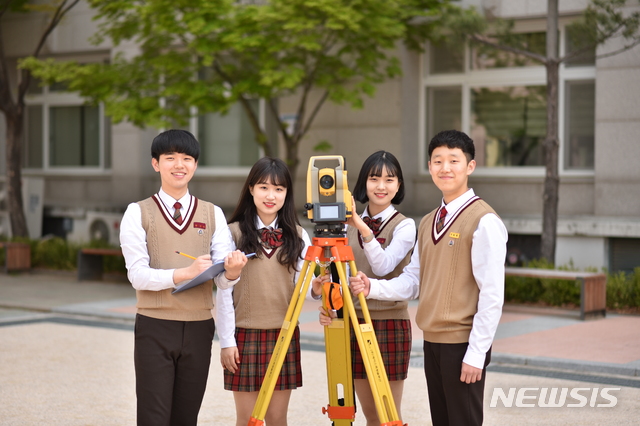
[440, 222]
[177, 216]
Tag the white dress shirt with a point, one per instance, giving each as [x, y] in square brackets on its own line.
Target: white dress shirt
[488, 251]
[133, 240]
[384, 261]
[225, 311]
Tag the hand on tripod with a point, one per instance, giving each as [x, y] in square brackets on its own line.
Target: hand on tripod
[318, 282]
[360, 284]
[318, 286]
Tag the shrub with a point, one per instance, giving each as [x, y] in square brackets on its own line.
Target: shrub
[623, 289]
[54, 253]
[109, 263]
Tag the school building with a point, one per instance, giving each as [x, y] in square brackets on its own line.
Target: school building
[81, 171]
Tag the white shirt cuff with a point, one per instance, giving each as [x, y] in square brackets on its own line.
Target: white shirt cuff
[474, 359]
[222, 282]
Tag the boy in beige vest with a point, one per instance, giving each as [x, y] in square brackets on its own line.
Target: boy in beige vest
[457, 272]
[174, 332]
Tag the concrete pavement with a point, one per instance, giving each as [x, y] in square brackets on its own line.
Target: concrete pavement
[66, 358]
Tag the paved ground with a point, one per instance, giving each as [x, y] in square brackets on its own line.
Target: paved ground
[66, 358]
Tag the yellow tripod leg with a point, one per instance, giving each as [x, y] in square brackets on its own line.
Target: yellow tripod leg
[368, 344]
[341, 409]
[282, 346]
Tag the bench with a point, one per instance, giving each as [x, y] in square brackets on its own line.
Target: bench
[90, 262]
[593, 287]
[17, 256]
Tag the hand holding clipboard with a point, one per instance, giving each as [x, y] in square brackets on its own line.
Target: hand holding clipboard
[204, 276]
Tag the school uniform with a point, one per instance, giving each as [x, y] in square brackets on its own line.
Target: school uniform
[384, 257]
[173, 332]
[251, 314]
[458, 273]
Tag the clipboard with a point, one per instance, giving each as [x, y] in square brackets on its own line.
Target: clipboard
[204, 276]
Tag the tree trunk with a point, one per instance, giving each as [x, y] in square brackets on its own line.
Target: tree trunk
[292, 159]
[551, 180]
[15, 120]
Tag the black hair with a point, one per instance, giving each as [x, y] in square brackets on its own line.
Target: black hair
[373, 166]
[454, 139]
[274, 171]
[175, 140]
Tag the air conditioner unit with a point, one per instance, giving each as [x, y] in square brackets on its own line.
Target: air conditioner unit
[103, 226]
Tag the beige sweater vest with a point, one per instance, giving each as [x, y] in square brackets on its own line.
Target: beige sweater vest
[162, 242]
[262, 295]
[448, 291]
[379, 309]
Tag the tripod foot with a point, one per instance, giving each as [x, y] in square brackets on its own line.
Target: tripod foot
[345, 413]
[255, 422]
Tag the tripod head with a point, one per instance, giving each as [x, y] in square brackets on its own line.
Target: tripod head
[329, 202]
[330, 230]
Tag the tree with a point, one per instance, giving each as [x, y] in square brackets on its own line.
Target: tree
[13, 107]
[210, 54]
[600, 21]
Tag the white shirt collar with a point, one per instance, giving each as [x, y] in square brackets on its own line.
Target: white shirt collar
[384, 214]
[260, 225]
[456, 204]
[169, 201]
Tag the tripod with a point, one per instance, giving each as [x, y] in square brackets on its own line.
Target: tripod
[327, 248]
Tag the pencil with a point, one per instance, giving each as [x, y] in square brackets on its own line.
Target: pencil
[185, 255]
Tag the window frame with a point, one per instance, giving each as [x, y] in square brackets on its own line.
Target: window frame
[48, 99]
[213, 171]
[502, 77]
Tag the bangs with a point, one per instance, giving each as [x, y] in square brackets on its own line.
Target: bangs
[378, 166]
[273, 177]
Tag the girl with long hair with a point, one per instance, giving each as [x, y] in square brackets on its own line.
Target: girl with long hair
[250, 315]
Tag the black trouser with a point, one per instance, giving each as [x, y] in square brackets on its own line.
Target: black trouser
[452, 402]
[172, 366]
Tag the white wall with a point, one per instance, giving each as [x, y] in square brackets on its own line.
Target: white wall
[583, 252]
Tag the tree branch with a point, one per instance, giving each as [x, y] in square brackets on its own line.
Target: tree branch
[6, 99]
[315, 111]
[515, 50]
[622, 49]
[5, 7]
[281, 127]
[60, 12]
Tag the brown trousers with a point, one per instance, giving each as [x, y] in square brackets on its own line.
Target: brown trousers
[172, 366]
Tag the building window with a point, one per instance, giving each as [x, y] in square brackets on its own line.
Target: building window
[443, 109]
[484, 57]
[508, 125]
[228, 140]
[499, 99]
[445, 59]
[62, 132]
[74, 136]
[624, 254]
[579, 125]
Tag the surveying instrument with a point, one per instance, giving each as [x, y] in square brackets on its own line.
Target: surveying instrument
[329, 205]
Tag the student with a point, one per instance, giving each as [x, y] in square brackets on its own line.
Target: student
[174, 332]
[457, 272]
[251, 314]
[381, 240]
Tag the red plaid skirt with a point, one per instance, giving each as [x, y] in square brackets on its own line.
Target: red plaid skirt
[255, 348]
[394, 340]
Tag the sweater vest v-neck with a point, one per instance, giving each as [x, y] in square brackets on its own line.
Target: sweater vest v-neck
[163, 240]
[379, 309]
[262, 295]
[448, 290]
